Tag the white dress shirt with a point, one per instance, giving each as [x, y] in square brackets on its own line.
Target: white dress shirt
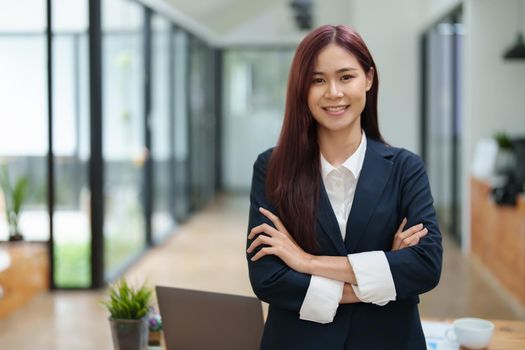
[372, 272]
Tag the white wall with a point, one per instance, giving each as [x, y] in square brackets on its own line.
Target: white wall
[391, 36]
[494, 88]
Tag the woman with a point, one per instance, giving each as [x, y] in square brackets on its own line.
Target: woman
[327, 249]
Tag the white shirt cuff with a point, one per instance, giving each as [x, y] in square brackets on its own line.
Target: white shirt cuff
[374, 279]
[322, 300]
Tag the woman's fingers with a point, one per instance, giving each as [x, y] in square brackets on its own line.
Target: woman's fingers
[261, 239]
[277, 222]
[263, 252]
[414, 238]
[411, 231]
[402, 226]
[273, 218]
[409, 237]
[262, 228]
[277, 242]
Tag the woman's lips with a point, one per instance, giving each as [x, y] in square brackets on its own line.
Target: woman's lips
[336, 110]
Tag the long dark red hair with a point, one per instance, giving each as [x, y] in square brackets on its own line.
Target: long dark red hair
[293, 174]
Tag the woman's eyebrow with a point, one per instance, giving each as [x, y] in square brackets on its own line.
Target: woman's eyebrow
[341, 70]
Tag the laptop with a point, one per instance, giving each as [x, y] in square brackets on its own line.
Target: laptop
[196, 320]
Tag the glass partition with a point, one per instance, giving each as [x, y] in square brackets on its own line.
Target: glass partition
[71, 132]
[253, 110]
[123, 148]
[202, 123]
[443, 119]
[161, 120]
[23, 114]
[183, 125]
[181, 206]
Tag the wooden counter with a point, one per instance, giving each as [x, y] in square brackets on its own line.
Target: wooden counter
[25, 276]
[498, 238]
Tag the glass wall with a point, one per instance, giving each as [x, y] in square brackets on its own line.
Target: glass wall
[161, 122]
[23, 114]
[124, 153]
[181, 124]
[180, 130]
[203, 123]
[71, 132]
[254, 97]
[443, 131]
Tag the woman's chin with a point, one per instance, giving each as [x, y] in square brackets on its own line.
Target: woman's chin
[342, 126]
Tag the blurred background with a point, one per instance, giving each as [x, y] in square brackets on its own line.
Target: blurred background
[128, 131]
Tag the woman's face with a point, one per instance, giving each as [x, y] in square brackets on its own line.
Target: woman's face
[337, 94]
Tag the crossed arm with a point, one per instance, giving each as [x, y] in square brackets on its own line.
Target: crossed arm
[283, 276]
[279, 242]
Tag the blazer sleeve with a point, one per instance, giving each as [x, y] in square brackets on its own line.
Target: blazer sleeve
[272, 280]
[417, 269]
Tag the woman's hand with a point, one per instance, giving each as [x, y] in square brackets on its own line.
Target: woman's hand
[279, 243]
[408, 238]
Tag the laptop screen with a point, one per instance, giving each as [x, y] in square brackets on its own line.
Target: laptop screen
[204, 320]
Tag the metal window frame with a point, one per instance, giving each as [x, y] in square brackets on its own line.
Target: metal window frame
[96, 163]
[50, 158]
[148, 166]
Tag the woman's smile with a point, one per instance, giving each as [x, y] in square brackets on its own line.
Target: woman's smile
[336, 110]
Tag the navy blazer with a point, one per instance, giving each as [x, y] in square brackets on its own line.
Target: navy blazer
[393, 184]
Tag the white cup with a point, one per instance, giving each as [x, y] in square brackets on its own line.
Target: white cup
[471, 333]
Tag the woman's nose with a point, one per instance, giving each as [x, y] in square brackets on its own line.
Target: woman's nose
[333, 91]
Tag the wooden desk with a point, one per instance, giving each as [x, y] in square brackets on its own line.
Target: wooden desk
[508, 335]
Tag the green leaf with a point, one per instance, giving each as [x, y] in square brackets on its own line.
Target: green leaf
[126, 302]
[15, 197]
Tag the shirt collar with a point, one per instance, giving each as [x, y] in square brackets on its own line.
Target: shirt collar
[354, 163]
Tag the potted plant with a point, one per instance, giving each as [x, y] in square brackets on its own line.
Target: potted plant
[15, 197]
[128, 308]
[505, 158]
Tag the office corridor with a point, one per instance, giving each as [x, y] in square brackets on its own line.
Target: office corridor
[208, 253]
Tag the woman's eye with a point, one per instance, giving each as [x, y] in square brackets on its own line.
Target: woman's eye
[317, 80]
[346, 77]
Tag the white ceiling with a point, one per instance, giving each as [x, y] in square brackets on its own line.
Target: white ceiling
[221, 16]
[232, 22]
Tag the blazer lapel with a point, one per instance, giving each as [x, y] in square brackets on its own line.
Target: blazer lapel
[328, 221]
[372, 180]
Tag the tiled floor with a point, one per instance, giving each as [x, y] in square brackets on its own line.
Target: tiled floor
[208, 253]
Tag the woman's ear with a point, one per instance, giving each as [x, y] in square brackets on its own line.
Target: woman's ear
[370, 78]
